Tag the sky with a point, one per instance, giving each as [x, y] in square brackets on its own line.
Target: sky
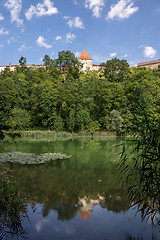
[125, 29]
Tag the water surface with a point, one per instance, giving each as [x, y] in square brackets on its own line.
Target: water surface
[78, 198]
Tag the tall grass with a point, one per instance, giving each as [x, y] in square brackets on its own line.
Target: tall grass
[142, 168]
[12, 208]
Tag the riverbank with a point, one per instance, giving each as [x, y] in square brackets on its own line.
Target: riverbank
[53, 135]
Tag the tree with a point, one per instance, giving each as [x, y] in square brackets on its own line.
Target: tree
[44, 100]
[48, 62]
[20, 118]
[66, 59]
[71, 120]
[22, 61]
[93, 126]
[82, 119]
[116, 70]
[115, 121]
[142, 92]
[58, 124]
[8, 99]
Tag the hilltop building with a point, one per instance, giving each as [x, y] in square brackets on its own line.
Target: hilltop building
[87, 64]
[13, 67]
[150, 64]
[86, 60]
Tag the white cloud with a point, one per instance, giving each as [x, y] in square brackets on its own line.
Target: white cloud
[3, 32]
[11, 40]
[66, 17]
[70, 37]
[21, 47]
[41, 9]
[125, 55]
[149, 52]
[1, 45]
[1, 17]
[75, 2]
[58, 38]
[96, 6]
[123, 9]
[113, 54]
[76, 22]
[77, 54]
[40, 224]
[15, 7]
[41, 42]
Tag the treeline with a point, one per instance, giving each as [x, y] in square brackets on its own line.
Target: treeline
[61, 97]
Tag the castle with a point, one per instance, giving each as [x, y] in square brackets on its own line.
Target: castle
[86, 60]
[87, 64]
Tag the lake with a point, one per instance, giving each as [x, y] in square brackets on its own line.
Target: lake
[78, 198]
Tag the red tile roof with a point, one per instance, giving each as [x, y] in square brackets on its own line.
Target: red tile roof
[85, 215]
[96, 65]
[85, 56]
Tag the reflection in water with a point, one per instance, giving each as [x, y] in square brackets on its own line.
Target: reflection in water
[61, 194]
[12, 209]
[129, 237]
[12, 227]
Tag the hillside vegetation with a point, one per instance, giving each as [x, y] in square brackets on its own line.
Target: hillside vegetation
[59, 98]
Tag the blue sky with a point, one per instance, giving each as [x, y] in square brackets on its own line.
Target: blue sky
[126, 29]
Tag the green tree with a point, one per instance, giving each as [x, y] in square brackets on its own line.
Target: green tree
[8, 99]
[19, 119]
[142, 91]
[22, 61]
[58, 123]
[48, 62]
[44, 99]
[82, 119]
[116, 121]
[71, 120]
[92, 127]
[66, 59]
[116, 70]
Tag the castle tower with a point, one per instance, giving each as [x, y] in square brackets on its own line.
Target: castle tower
[86, 60]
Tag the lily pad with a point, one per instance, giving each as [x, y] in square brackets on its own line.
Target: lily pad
[31, 158]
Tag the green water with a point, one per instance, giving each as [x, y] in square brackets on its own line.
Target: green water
[76, 198]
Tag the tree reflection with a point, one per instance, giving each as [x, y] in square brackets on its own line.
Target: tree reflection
[64, 211]
[59, 185]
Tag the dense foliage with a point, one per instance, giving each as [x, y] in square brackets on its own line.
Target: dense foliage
[59, 98]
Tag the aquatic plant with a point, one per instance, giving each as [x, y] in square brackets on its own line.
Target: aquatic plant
[30, 158]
